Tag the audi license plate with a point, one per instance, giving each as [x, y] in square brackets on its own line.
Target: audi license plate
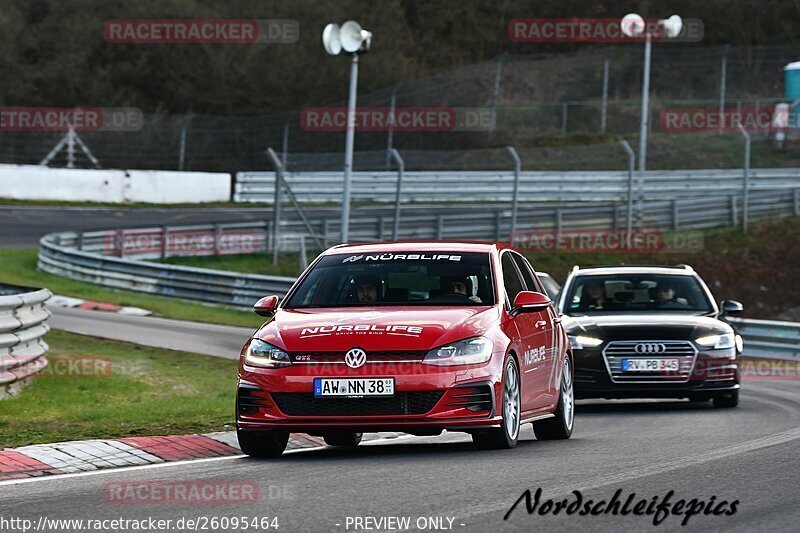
[650, 365]
[353, 387]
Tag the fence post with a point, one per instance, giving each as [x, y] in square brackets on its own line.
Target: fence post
[631, 165]
[604, 103]
[615, 218]
[303, 255]
[401, 168]
[120, 242]
[276, 206]
[80, 238]
[498, 222]
[675, 216]
[439, 227]
[564, 118]
[217, 237]
[390, 134]
[746, 177]
[722, 80]
[182, 150]
[164, 237]
[496, 92]
[734, 216]
[515, 197]
[326, 225]
[380, 228]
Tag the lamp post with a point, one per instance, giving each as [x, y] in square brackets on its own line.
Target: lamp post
[633, 25]
[352, 39]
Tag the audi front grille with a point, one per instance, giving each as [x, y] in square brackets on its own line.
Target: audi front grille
[617, 351]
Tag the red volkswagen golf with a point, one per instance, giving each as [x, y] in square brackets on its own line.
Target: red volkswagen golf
[413, 337]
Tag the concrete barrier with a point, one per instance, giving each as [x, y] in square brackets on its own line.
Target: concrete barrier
[33, 182]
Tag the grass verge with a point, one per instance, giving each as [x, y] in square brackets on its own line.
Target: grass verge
[148, 391]
[18, 267]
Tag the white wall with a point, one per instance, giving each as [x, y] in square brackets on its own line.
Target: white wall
[33, 182]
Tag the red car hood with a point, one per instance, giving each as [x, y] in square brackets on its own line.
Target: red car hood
[374, 328]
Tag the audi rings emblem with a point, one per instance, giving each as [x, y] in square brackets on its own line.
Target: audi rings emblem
[355, 358]
[650, 348]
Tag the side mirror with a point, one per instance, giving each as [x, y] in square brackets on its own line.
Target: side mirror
[731, 307]
[528, 302]
[266, 306]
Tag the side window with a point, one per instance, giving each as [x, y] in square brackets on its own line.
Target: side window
[513, 284]
[527, 274]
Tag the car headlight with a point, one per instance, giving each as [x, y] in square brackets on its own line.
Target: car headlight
[466, 352]
[264, 355]
[579, 342]
[725, 340]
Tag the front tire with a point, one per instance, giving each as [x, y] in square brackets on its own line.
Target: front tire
[727, 401]
[343, 439]
[270, 443]
[560, 425]
[505, 437]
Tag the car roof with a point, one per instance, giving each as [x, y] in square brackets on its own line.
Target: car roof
[680, 270]
[417, 246]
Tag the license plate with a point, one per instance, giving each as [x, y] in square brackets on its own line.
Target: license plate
[650, 365]
[353, 387]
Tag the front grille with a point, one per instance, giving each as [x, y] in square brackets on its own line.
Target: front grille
[250, 400]
[683, 351]
[478, 398]
[372, 357]
[402, 403]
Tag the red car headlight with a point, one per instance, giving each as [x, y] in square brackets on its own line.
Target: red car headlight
[465, 352]
[264, 355]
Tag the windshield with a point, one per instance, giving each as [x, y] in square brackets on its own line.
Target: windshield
[397, 279]
[625, 293]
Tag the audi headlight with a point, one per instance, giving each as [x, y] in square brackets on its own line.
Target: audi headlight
[579, 342]
[725, 340]
[264, 355]
[467, 352]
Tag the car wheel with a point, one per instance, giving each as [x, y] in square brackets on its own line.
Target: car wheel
[727, 401]
[344, 439]
[506, 435]
[560, 425]
[270, 443]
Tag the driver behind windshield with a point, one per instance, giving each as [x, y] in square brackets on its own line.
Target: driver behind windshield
[666, 295]
[459, 285]
[367, 288]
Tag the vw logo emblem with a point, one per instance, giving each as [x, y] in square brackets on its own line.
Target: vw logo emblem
[650, 348]
[355, 357]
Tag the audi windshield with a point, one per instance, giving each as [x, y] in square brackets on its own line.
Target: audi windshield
[397, 279]
[626, 293]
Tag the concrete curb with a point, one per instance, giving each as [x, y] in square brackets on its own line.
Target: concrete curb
[83, 456]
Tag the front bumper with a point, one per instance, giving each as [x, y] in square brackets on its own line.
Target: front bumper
[427, 399]
[713, 372]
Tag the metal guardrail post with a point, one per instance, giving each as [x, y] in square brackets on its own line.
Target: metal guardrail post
[380, 228]
[734, 215]
[439, 227]
[746, 178]
[796, 202]
[515, 197]
[604, 101]
[559, 224]
[217, 237]
[564, 107]
[326, 227]
[303, 256]
[631, 168]
[498, 222]
[164, 237]
[182, 149]
[401, 168]
[675, 216]
[120, 243]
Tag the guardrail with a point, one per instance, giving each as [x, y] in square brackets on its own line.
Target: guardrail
[769, 338]
[115, 258]
[497, 186]
[22, 326]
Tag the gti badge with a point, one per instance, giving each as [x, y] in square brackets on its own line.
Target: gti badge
[650, 348]
[355, 357]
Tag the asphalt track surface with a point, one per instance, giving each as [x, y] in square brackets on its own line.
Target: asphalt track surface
[194, 337]
[649, 448]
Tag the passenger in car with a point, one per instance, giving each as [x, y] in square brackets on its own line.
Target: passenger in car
[594, 298]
